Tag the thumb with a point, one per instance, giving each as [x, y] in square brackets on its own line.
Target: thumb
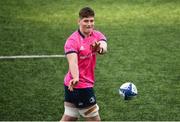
[70, 87]
[72, 83]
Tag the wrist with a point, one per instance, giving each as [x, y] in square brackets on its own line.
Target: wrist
[76, 79]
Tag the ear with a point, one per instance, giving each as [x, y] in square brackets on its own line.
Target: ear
[78, 21]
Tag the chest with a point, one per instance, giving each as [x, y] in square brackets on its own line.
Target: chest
[85, 46]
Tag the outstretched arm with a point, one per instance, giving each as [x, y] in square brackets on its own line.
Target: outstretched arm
[99, 47]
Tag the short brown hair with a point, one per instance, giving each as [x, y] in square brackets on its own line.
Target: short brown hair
[86, 12]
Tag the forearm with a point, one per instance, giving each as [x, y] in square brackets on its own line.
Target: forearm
[73, 67]
[74, 70]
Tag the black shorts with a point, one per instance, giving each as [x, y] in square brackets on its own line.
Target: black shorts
[81, 98]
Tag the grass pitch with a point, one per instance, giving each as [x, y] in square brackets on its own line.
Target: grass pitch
[143, 43]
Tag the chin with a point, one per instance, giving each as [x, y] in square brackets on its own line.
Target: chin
[89, 30]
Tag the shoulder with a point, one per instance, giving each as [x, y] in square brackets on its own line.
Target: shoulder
[74, 36]
[97, 32]
[99, 35]
[72, 40]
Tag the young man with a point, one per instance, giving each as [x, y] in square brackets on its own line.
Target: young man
[81, 49]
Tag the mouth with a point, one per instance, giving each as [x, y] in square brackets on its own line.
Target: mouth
[89, 27]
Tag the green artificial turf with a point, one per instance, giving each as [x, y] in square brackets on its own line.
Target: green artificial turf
[143, 47]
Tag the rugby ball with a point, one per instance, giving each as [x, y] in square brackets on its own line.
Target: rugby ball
[128, 90]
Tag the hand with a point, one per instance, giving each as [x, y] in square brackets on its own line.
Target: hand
[101, 51]
[95, 46]
[72, 83]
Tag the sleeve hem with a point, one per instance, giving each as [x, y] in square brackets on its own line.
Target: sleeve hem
[70, 52]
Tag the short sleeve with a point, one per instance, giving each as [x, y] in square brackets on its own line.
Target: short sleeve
[70, 46]
[101, 37]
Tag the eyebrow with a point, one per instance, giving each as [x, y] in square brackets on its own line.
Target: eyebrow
[89, 20]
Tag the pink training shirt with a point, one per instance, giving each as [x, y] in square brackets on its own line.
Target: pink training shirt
[81, 45]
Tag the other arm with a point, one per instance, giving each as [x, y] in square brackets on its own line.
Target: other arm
[73, 67]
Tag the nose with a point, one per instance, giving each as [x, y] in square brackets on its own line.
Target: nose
[89, 23]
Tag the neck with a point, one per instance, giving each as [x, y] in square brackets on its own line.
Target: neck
[84, 33]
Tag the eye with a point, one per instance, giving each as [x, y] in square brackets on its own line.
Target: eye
[91, 20]
[86, 21]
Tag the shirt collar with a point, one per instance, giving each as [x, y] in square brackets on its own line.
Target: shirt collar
[82, 34]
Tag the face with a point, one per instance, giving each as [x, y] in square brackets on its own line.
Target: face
[86, 25]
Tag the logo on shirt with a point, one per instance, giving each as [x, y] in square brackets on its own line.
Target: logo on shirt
[81, 48]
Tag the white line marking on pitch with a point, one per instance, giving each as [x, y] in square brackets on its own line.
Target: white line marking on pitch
[32, 56]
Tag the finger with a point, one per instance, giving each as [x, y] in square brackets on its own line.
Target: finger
[70, 88]
[70, 82]
[97, 44]
[93, 47]
[96, 47]
[75, 82]
[101, 51]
